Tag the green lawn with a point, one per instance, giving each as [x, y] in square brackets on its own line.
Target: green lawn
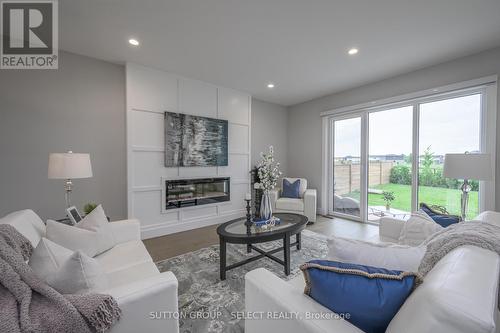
[449, 198]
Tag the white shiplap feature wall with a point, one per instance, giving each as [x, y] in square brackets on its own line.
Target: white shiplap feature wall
[151, 92]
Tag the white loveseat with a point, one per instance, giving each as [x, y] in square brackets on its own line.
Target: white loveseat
[139, 288]
[305, 205]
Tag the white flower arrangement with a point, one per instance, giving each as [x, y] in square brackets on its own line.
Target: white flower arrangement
[268, 171]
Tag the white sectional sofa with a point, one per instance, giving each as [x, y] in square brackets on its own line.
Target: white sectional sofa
[459, 295]
[137, 285]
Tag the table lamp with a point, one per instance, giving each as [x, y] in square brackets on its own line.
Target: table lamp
[467, 166]
[69, 166]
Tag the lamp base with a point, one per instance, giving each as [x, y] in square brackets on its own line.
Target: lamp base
[464, 202]
[68, 186]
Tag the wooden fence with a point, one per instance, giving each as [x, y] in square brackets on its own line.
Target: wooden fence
[347, 176]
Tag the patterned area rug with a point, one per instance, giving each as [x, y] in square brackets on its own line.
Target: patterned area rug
[206, 303]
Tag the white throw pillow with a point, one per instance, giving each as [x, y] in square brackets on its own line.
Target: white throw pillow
[47, 257]
[418, 227]
[95, 220]
[66, 271]
[383, 255]
[92, 235]
[80, 274]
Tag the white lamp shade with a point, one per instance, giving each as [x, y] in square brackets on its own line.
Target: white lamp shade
[468, 166]
[69, 166]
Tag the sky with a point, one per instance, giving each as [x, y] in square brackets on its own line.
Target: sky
[449, 126]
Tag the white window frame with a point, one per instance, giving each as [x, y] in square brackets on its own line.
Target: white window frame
[486, 86]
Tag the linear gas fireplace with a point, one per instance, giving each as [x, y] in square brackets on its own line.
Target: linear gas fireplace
[194, 192]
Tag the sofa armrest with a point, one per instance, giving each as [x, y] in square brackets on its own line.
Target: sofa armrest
[310, 204]
[274, 195]
[390, 229]
[149, 305]
[266, 295]
[489, 217]
[126, 230]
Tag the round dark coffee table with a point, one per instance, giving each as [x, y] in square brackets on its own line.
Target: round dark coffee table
[237, 232]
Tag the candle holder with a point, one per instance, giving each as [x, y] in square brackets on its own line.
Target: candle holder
[248, 222]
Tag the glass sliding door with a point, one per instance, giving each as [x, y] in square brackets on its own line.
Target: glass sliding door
[390, 138]
[347, 166]
[447, 126]
[387, 160]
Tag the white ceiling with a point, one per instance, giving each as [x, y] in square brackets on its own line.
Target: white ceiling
[300, 45]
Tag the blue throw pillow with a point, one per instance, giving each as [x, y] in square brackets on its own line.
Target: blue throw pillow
[368, 297]
[291, 190]
[441, 219]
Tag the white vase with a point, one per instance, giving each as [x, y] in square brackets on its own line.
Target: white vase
[266, 210]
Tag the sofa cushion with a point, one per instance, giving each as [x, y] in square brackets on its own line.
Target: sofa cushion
[417, 229]
[371, 296]
[124, 255]
[27, 223]
[303, 184]
[290, 204]
[385, 255]
[458, 295]
[132, 274]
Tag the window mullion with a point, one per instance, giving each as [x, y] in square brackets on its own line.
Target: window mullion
[415, 157]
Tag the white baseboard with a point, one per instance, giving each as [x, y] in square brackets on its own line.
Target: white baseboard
[162, 229]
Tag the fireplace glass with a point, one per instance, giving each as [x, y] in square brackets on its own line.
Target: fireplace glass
[195, 192]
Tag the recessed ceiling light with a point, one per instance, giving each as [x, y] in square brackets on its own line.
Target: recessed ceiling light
[353, 51]
[133, 42]
[270, 85]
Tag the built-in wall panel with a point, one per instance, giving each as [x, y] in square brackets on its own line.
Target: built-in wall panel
[239, 138]
[151, 90]
[150, 93]
[197, 98]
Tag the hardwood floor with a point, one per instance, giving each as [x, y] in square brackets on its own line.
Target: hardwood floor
[168, 246]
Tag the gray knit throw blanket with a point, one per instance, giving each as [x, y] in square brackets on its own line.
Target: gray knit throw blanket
[29, 305]
[477, 233]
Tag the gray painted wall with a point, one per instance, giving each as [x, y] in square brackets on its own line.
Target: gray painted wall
[269, 127]
[79, 107]
[304, 130]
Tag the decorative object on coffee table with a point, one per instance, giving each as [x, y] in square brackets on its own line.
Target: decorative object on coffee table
[237, 232]
[248, 199]
[69, 166]
[269, 174]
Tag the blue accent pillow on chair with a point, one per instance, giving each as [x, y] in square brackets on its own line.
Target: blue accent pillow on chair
[441, 219]
[371, 296]
[291, 190]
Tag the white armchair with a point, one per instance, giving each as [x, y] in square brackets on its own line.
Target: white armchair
[305, 205]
